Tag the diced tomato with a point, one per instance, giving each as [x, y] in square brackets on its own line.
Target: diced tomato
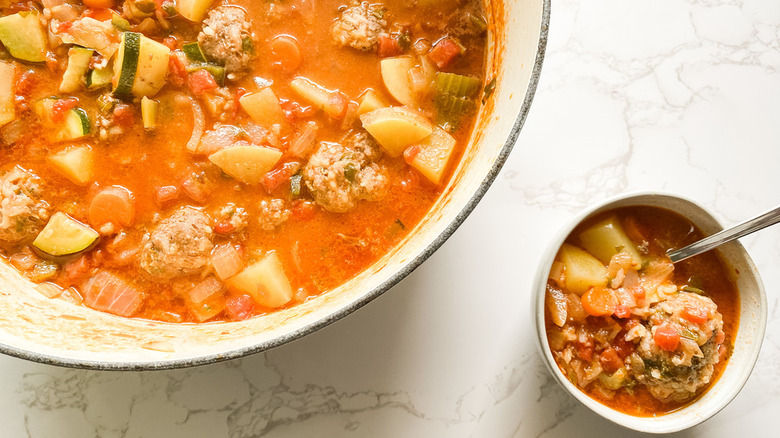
[444, 52]
[695, 314]
[275, 178]
[285, 53]
[224, 227]
[337, 105]
[623, 347]
[610, 360]
[667, 337]
[25, 82]
[599, 301]
[622, 311]
[293, 110]
[61, 106]
[638, 291]
[196, 188]
[124, 115]
[171, 42]
[239, 308]
[201, 81]
[388, 46]
[166, 195]
[722, 350]
[303, 210]
[240, 92]
[585, 350]
[75, 271]
[411, 152]
[177, 72]
[64, 26]
[720, 337]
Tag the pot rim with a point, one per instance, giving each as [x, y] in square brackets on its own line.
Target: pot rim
[346, 310]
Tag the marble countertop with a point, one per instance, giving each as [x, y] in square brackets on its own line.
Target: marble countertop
[677, 95]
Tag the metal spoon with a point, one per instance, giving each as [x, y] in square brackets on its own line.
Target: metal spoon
[760, 222]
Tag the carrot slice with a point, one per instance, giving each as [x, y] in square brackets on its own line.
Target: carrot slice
[285, 53]
[599, 301]
[112, 205]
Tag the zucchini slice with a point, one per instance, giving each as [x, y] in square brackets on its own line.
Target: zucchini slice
[64, 236]
[141, 66]
[194, 52]
[99, 78]
[23, 35]
[78, 66]
[76, 125]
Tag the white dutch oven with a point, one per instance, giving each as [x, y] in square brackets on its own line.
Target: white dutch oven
[55, 332]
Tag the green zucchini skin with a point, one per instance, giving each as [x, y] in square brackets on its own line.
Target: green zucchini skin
[131, 49]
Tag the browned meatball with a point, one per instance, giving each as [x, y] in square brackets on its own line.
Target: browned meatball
[226, 38]
[360, 26]
[22, 211]
[677, 375]
[338, 176]
[179, 245]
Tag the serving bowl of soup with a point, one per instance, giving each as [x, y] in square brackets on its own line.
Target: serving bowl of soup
[192, 181]
[651, 345]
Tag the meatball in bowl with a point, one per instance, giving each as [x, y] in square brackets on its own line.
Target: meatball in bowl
[651, 345]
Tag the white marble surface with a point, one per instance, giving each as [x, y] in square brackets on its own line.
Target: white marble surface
[644, 94]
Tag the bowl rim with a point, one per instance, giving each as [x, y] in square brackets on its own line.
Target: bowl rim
[357, 304]
[646, 424]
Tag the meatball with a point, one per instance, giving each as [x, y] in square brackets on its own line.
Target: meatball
[22, 211]
[272, 214]
[360, 26]
[226, 38]
[676, 375]
[338, 176]
[179, 245]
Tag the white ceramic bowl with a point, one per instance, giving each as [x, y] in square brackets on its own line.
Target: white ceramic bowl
[53, 331]
[752, 320]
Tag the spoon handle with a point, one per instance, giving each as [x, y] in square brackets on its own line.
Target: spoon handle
[771, 217]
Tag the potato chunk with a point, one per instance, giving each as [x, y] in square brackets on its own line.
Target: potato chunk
[77, 164]
[264, 281]
[396, 128]
[433, 154]
[395, 75]
[607, 238]
[582, 270]
[263, 107]
[245, 162]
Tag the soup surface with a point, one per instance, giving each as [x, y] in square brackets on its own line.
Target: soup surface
[196, 160]
[629, 328]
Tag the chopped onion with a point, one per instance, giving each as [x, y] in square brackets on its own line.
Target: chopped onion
[350, 116]
[198, 125]
[419, 81]
[49, 290]
[227, 261]
[113, 294]
[205, 290]
[13, 130]
[304, 141]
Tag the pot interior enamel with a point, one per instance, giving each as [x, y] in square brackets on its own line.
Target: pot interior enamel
[52, 331]
[747, 343]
